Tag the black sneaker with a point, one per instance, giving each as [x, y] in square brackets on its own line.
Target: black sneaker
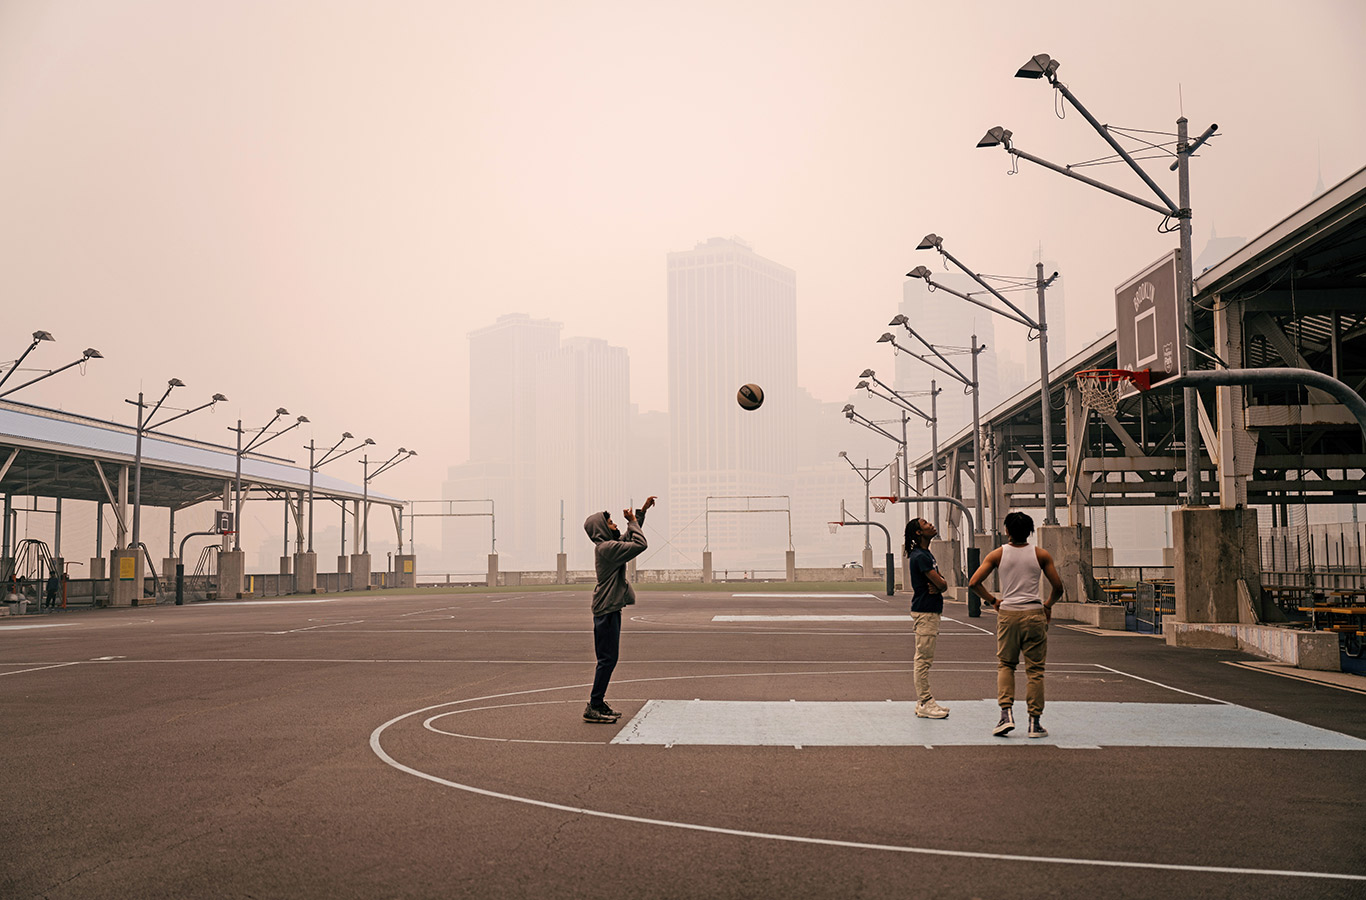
[1036, 728]
[598, 716]
[609, 710]
[1007, 723]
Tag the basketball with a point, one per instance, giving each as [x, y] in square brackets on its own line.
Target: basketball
[750, 396]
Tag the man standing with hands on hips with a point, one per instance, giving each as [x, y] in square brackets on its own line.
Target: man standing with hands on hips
[1021, 619]
[611, 552]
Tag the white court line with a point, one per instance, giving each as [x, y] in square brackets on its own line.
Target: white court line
[379, 751]
[970, 625]
[802, 596]
[906, 619]
[39, 668]
[4, 628]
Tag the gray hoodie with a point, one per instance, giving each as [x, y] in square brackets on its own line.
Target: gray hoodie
[610, 556]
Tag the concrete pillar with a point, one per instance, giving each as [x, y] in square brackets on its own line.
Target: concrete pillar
[493, 570]
[1104, 557]
[360, 571]
[232, 574]
[792, 565]
[125, 587]
[867, 560]
[1070, 546]
[343, 565]
[561, 568]
[706, 567]
[405, 570]
[631, 571]
[286, 565]
[97, 568]
[949, 556]
[1218, 570]
[306, 572]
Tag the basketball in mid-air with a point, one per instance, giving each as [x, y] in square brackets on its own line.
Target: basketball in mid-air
[750, 396]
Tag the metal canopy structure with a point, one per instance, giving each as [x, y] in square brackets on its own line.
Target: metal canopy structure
[47, 453]
[1293, 297]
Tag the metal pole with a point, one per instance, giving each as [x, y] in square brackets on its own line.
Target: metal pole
[977, 432]
[311, 470]
[934, 440]
[867, 512]
[1046, 403]
[905, 469]
[1183, 290]
[237, 494]
[137, 480]
[364, 511]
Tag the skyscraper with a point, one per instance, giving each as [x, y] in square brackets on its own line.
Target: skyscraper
[732, 321]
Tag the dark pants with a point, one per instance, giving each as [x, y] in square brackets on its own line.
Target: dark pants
[606, 642]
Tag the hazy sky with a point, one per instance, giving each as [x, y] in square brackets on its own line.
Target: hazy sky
[310, 204]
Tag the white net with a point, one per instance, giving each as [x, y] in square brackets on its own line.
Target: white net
[1100, 390]
[879, 504]
[834, 526]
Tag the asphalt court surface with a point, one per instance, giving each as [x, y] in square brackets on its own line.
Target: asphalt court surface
[432, 745]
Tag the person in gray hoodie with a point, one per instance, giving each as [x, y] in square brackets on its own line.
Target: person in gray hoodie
[611, 552]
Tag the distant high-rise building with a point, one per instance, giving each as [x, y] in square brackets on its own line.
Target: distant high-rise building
[732, 321]
[548, 423]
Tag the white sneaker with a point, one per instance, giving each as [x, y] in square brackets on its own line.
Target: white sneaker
[930, 710]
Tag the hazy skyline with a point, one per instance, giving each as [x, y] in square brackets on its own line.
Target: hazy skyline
[311, 204]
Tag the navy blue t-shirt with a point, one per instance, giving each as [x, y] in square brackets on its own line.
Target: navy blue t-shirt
[922, 600]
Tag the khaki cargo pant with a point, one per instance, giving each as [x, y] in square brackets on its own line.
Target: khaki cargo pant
[1021, 632]
[926, 636]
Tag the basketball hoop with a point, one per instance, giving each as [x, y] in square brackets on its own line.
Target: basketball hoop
[834, 526]
[880, 503]
[1100, 388]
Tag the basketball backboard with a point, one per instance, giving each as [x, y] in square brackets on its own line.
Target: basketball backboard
[1148, 323]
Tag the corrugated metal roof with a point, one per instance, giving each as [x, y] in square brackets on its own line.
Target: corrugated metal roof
[64, 434]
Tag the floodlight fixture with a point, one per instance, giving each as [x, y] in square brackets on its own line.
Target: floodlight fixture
[282, 412]
[302, 419]
[996, 137]
[930, 242]
[898, 319]
[867, 373]
[346, 435]
[886, 336]
[43, 336]
[219, 398]
[92, 353]
[917, 272]
[863, 385]
[175, 383]
[1040, 66]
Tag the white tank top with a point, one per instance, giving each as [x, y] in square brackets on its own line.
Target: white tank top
[1019, 577]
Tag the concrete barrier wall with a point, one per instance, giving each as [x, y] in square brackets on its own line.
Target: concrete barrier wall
[1098, 615]
[1303, 649]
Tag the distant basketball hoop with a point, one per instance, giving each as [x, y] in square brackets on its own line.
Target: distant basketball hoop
[1101, 388]
[879, 503]
[834, 526]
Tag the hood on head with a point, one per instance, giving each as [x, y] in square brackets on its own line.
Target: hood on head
[596, 527]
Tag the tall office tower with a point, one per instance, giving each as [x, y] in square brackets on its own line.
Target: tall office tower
[947, 322]
[507, 361]
[583, 416]
[732, 321]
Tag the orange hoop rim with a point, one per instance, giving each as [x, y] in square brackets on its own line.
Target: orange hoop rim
[1140, 379]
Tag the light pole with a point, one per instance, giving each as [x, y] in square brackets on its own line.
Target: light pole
[867, 474]
[388, 464]
[1015, 314]
[971, 383]
[252, 445]
[313, 468]
[145, 424]
[1044, 66]
[38, 338]
[894, 396]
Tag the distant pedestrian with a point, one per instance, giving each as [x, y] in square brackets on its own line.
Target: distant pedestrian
[1022, 619]
[927, 607]
[54, 584]
[611, 552]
